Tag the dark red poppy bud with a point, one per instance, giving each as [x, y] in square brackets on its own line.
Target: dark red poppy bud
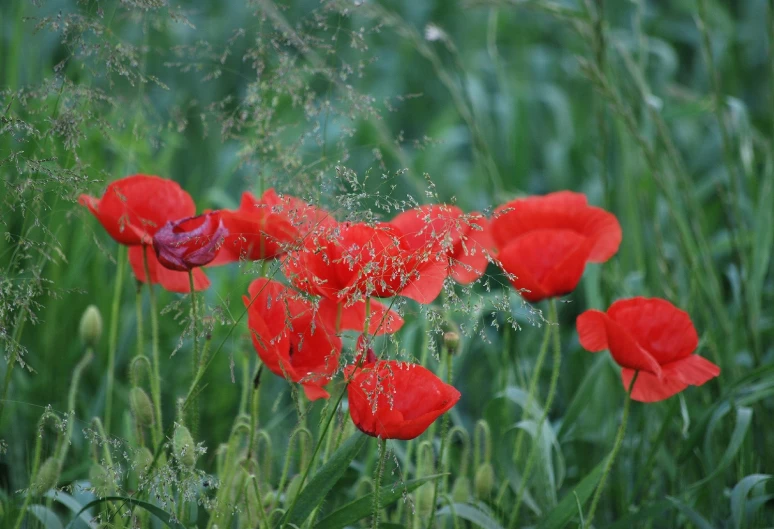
[191, 242]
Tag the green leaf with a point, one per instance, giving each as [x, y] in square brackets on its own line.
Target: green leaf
[649, 513]
[324, 480]
[46, 516]
[568, 507]
[739, 496]
[363, 507]
[743, 420]
[580, 401]
[71, 503]
[470, 513]
[694, 517]
[163, 516]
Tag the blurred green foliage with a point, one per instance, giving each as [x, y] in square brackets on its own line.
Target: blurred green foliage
[661, 112]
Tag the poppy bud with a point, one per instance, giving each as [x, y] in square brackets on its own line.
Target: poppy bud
[101, 480]
[91, 326]
[47, 476]
[141, 406]
[451, 341]
[188, 243]
[424, 500]
[484, 481]
[294, 487]
[142, 460]
[461, 490]
[183, 447]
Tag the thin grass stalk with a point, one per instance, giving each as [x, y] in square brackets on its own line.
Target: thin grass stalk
[611, 459]
[113, 335]
[531, 458]
[378, 483]
[155, 378]
[444, 430]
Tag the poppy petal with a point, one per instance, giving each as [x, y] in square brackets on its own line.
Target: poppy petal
[137, 206]
[648, 388]
[314, 392]
[627, 352]
[427, 280]
[592, 332]
[694, 370]
[170, 280]
[548, 263]
[603, 227]
[665, 331]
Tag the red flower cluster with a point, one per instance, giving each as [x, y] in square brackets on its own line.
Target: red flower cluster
[338, 268]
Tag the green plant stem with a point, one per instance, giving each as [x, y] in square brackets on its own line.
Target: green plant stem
[12, 357]
[531, 458]
[331, 415]
[64, 444]
[194, 413]
[378, 483]
[444, 431]
[611, 459]
[533, 384]
[113, 335]
[155, 383]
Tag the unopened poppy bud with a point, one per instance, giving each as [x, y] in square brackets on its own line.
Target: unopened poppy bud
[183, 446]
[484, 481]
[451, 341]
[294, 487]
[424, 500]
[141, 406]
[143, 460]
[101, 480]
[461, 490]
[47, 476]
[91, 326]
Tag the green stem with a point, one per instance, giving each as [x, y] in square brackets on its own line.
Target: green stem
[557, 358]
[616, 447]
[444, 431]
[64, 444]
[533, 384]
[155, 383]
[12, 357]
[113, 337]
[331, 415]
[195, 325]
[378, 483]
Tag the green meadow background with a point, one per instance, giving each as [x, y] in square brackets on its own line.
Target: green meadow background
[661, 112]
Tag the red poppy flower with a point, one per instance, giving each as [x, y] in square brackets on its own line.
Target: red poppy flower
[349, 262]
[189, 243]
[465, 239]
[545, 242]
[652, 336]
[303, 216]
[134, 208]
[290, 336]
[262, 228]
[397, 400]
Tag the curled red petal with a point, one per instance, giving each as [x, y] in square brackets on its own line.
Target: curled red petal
[170, 280]
[394, 400]
[351, 317]
[626, 351]
[134, 208]
[548, 263]
[472, 253]
[592, 332]
[694, 370]
[659, 327]
[649, 388]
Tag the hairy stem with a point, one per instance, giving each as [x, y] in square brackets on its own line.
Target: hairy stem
[378, 483]
[113, 335]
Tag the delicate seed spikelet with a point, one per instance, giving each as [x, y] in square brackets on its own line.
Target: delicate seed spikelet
[293, 488]
[47, 476]
[484, 481]
[91, 326]
[451, 341]
[102, 480]
[461, 490]
[142, 461]
[183, 446]
[142, 409]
